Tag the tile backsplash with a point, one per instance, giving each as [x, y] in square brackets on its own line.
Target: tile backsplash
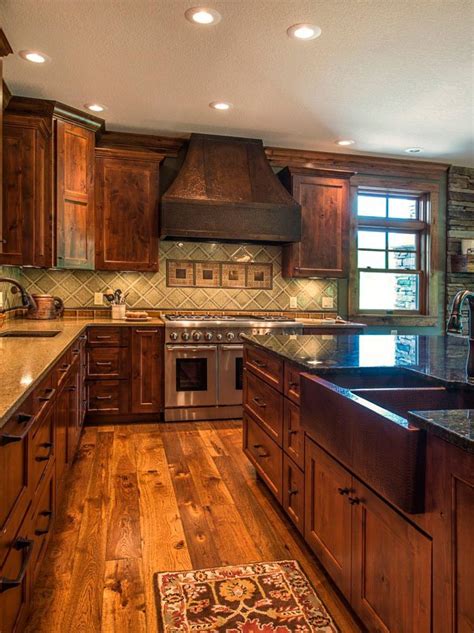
[149, 290]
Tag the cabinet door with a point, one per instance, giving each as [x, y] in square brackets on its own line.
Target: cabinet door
[75, 196]
[41, 234]
[127, 212]
[147, 358]
[328, 513]
[391, 568]
[293, 492]
[74, 419]
[293, 434]
[323, 249]
[62, 413]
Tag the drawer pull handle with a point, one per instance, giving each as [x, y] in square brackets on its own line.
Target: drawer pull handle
[343, 491]
[47, 445]
[104, 363]
[7, 438]
[264, 454]
[146, 331]
[11, 583]
[260, 364]
[42, 458]
[102, 337]
[45, 513]
[292, 491]
[292, 431]
[354, 501]
[65, 367]
[260, 403]
[48, 394]
[103, 397]
[294, 385]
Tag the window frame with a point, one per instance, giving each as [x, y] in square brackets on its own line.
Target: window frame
[421, 226]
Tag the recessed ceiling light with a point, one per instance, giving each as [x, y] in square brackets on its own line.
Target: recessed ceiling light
[34, 56]
[220, 105]
[345, 142]
[95, 107]
[413, 150]
[304, 31]
[202, 15]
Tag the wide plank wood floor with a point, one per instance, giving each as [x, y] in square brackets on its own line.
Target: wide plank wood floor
[148, 498]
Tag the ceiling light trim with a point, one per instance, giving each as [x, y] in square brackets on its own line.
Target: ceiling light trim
[304, 32]
[95, 106]
[192, 15]
[34, 57]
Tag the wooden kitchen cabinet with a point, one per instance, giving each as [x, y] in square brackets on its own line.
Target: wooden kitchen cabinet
[127, 209]
[48, 215]
[380, 561]
[75, 195]
[146, 372]
[324, 247]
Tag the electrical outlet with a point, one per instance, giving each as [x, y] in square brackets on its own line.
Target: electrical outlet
[393, 331]
[293, 302]
[98, 299]
[328, 302]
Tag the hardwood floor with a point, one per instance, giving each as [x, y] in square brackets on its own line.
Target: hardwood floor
[148, 498]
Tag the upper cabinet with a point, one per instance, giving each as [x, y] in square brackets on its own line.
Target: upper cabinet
[48, 179]
[324, 247]
[127, 209]
[5, 49]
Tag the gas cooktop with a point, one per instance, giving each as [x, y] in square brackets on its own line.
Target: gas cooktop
[227, 317]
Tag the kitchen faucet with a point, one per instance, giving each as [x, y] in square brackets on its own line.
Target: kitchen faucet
[26, 299]
[455, 325]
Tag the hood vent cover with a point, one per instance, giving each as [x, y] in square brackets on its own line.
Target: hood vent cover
[226, 190]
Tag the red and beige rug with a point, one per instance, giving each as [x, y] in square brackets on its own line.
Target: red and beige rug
[271, 597]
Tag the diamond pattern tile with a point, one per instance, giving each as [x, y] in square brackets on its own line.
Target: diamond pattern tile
[149, 290]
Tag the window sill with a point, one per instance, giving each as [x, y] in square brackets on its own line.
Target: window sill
[406, 320]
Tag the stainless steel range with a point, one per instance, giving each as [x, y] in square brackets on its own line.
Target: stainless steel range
[204, 362]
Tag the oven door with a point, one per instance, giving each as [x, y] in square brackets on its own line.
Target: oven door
[191, 376]
[230, 374]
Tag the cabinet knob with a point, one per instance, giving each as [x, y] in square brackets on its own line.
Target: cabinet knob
[292, 492]
[343, 491]
[354, 501]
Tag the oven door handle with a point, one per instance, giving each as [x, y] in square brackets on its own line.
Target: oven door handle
[190, 348]
[232, 348]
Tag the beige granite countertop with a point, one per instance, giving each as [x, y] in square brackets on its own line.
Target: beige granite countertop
[329, 323]
[25, 361]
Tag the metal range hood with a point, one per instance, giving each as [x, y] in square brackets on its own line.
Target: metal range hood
[226, 190]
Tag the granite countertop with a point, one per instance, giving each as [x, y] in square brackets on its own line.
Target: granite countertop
[440, 357]
[453, 425]
[322, 324]
[25, 361]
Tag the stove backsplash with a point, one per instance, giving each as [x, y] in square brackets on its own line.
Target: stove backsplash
[149, 290]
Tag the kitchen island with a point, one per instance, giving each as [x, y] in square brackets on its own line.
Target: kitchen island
[367, 443]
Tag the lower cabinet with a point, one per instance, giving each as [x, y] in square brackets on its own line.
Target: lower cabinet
[146, 378]
[380, 561]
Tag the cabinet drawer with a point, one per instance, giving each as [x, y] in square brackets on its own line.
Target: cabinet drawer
[264, 454]
[292, 383]
[44, 394]
[107, 396]
[293, 434]
[107, 336]
[14, 595]
[42, 520]
[266, 366]
[265, 404]
[62, 368]
[106, 362]
[42, 447]
[293, 492]
[14, 475]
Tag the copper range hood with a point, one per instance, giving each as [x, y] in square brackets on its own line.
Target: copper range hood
[226, 190]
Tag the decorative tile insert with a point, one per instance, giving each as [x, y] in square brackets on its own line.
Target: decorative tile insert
[149, 290]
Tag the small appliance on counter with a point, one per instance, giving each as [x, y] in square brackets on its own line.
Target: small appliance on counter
[47, 307]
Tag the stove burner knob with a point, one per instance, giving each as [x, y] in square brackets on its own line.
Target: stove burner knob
[208, 336]
[174, 336]
[185, 336]
[219, 337]
[241, 334]
[230, 336]
[197, 336]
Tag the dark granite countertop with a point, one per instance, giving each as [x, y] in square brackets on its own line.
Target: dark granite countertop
[453, 425]
[440, 357]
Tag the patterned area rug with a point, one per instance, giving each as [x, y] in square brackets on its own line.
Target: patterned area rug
[255, 598]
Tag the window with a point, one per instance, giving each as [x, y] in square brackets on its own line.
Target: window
[391, 252]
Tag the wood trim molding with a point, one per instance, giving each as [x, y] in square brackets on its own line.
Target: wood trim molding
[165, 145]
[7, 95]
[366, 164]
[36, 123]
[124, 153]
[5, 48]
[54, 109]
[321, 172]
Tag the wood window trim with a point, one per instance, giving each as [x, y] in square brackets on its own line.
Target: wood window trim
[428, 192]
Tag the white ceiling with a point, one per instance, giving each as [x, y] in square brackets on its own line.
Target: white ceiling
[390, 74]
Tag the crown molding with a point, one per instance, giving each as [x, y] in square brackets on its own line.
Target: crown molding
[5, 48]
[165, 145]
[55, 109]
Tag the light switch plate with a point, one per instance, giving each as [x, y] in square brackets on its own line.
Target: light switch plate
[393, 331]
[98, 299]
[328, 302]
[293, 302]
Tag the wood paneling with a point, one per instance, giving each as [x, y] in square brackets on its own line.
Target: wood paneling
[324, 246]
[75, 196]
[127, 210]
[146, 372]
